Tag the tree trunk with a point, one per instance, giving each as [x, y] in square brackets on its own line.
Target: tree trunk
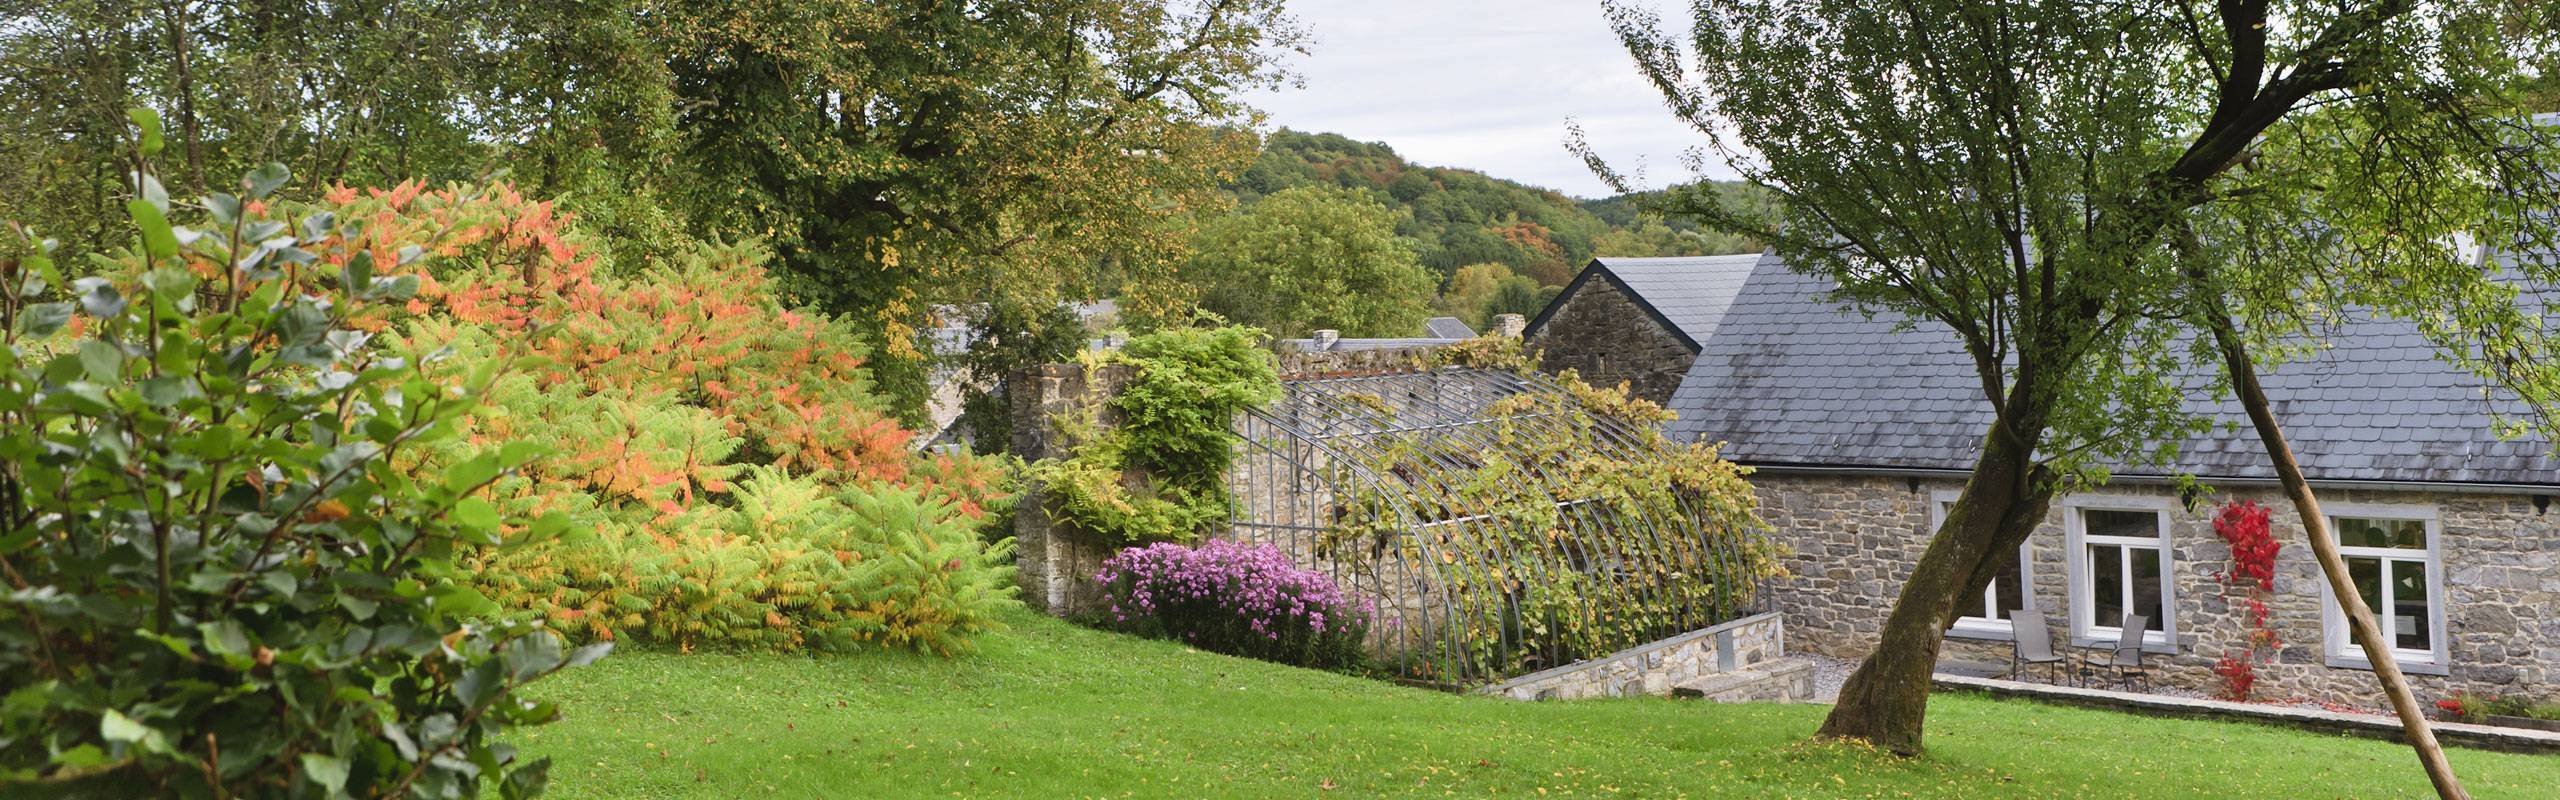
[1886, 701]
[2377, 650]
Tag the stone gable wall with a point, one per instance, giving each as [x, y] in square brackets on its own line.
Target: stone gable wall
[1856, 537]
[1603, 334]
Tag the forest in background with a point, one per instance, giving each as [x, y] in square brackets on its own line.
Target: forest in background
[1460, 218]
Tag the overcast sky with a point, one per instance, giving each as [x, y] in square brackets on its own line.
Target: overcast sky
[1481, 84]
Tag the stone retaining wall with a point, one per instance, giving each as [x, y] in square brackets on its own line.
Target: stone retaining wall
[1855, 539]
[1751, 647]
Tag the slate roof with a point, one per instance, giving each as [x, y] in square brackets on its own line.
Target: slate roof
[1792, 379]
[1436, 331]
[1340, 345]
[1686, 294]
[1447, 328]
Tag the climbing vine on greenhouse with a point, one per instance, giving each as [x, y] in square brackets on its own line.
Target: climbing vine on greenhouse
[1561, 523]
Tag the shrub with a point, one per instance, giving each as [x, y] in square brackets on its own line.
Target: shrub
[224, 576]
[797, 564]
[2472, 707]
[663, 394]
[1160, 474]
[1244, 600]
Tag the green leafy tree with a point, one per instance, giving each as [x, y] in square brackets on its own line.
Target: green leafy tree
[563, 95]
[907, 153]
[1311, 258]
[1518, 295]
[1470, 289]
[2017, 172]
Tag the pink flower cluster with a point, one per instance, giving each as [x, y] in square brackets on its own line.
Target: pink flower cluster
[1255, 582]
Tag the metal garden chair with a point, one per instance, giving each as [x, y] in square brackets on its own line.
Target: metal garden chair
[2126, 658]
[2032, 644]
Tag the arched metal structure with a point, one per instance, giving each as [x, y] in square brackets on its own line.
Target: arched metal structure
[1381, 481]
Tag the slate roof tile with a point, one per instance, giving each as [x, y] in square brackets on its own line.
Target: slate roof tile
[1788, 377]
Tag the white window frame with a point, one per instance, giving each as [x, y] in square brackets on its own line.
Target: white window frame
[2087, 631]
[2340, 645]
[1986, 627]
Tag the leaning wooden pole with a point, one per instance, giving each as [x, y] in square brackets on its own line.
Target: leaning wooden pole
[2377, 650]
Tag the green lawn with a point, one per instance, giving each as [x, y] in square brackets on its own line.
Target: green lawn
[1051, 710]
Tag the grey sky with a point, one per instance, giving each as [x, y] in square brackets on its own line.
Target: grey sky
[1481, 84]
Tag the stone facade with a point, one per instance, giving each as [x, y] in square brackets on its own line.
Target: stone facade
[1739, 661]
[1600, 332]
[1855, 538]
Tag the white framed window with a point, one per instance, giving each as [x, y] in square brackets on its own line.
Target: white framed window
[1986, 615]
[2120, 562]
[2393, 559]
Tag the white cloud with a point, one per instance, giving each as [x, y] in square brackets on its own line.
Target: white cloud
[1482, 85]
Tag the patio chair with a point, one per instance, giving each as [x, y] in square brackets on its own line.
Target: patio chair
[2032, 644]
[2126, 658]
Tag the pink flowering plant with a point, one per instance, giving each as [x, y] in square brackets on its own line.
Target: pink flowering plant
[1239, 599]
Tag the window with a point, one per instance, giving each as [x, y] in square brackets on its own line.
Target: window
[1987, 614]
[2120, 564]
[2392, 560]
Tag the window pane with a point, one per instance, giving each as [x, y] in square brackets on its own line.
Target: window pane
[2106, 574]
[2136, 524]
[2409, 617]
[2146, 586]
[1971, 605]
[2367, 575]
[2008, 591]
[2359, 532]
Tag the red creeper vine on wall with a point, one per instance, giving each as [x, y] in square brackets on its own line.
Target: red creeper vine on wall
[2251, 578]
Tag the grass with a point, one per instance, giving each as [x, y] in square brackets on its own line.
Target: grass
[1051, 710]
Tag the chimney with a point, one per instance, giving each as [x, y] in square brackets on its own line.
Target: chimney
[1510, 325]
[1324, 339]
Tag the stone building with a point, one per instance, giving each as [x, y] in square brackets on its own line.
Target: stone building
[1637, 320]
[1862, 432]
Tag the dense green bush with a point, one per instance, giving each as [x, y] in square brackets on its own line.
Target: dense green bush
[225, 573]
[1159, 475]
[796, 564]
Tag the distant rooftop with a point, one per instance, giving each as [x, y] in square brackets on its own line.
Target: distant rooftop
[1688, 294]
[1436, 331]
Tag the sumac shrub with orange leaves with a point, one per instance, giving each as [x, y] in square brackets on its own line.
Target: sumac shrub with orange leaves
[734, 477]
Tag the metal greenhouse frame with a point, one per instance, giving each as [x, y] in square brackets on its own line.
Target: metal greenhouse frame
[1354, 476]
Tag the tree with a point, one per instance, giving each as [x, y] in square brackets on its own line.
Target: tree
[2012, 171]
[1311, 258]
[1470, 289]
[367, 92]
[906, 153]
[896, 155]
[1518, 295]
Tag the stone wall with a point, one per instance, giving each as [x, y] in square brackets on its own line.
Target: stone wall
[1601, 333]
[1738, 661]
[1856, 537]
[1319, 363]
[1055, 562]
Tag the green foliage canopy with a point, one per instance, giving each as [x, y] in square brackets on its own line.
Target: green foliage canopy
[1312, 258]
